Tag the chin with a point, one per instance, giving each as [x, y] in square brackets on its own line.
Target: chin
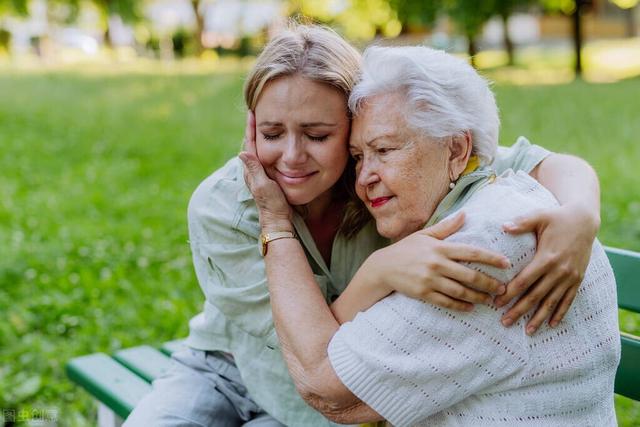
[393, 232]
[297, 198]
[385, 231]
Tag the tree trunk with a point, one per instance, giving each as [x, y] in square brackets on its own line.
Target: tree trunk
[577, 36]
[473, 49]
[107, 37]
[630, 18]
[508, 43]
[195, 4]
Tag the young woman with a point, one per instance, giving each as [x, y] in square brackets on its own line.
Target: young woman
[232, 371]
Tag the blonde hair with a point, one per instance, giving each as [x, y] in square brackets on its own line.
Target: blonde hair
[315, 52]
[319, 54]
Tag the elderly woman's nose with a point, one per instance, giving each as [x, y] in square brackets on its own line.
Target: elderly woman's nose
[367, 175]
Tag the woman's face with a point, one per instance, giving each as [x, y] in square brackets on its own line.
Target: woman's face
[302, 129]
[401, 175]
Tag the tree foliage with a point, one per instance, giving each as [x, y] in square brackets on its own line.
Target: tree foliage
[18, 7]
[356, 19]
[417, 13]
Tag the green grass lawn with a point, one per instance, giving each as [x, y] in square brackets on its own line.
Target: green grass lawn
[96, 172]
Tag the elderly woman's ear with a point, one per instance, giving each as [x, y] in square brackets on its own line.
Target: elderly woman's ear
[459, 152]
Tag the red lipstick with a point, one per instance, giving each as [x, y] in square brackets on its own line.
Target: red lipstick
[379, 201]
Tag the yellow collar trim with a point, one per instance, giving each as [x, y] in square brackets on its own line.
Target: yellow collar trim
[472, 164]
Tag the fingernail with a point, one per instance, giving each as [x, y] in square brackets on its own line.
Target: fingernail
[553, 323]
[501, 290]
[506, 263]
[507, 321]
[488, 300]
[509, 224]
[498, 302]
[530, 330]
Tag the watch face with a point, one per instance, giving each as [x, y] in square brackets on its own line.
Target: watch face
[262, 247]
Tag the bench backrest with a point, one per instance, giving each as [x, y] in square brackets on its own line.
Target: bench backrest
[626, 267]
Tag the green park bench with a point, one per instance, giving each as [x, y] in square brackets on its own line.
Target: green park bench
[118, 382]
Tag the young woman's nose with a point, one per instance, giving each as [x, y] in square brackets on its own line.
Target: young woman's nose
[294, 152]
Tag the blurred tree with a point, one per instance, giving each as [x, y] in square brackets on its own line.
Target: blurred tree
[18, 7]
[356, 19]
[197, 11]
[416, 13]
[128, 10]
[10, 7]
[505, 9]
[574, 10]
[629, 7]
[470, 16]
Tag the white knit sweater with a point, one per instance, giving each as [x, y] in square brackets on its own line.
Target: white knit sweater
[417, 364]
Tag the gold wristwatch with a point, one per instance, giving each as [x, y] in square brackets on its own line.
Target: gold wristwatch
[265, 238]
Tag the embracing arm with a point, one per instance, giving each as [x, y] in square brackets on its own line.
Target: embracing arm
[428, 269]
[305, 325]
[574, 183]
[565, 236]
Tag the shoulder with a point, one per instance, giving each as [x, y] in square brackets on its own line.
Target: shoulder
[522, 155]
[509, 195]
[222, 204]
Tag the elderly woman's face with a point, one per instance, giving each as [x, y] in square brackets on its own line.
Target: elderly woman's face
[401, 175]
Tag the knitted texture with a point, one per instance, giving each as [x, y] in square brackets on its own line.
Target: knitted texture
[417, 364]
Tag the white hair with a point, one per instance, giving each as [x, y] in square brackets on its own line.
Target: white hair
[445, 95]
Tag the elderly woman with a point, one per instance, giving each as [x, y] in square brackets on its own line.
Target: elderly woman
[425, 127]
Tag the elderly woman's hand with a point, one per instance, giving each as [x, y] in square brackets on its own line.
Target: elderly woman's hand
[423, 266]
[274, 211]
[565, 237]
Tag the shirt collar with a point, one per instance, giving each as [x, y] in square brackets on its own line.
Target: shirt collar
[464, 187]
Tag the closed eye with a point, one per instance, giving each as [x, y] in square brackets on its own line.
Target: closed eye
[271, 137]
[317, 138]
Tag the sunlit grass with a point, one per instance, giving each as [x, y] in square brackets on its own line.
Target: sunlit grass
[97, 168]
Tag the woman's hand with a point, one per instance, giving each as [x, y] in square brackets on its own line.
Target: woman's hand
[428, 268]
[550, 282]
[422, 266]
[274, 211]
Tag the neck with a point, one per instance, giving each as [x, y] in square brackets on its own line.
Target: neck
[317, 209]
[322, 217]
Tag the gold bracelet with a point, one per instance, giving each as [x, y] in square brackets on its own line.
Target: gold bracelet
[265, 238]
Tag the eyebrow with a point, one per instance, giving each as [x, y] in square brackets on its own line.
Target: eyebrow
[384, 135]
[303, 125]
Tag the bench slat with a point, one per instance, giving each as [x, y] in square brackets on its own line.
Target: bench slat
[108, 381]
[628, 375]
[145, 361]
[626, 268]
[171, 347]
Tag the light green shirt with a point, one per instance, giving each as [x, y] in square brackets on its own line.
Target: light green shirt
[224, 231]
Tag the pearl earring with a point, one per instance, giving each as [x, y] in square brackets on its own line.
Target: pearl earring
[452, 185]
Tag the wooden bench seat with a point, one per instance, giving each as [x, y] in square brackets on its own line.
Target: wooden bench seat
[120, 382]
